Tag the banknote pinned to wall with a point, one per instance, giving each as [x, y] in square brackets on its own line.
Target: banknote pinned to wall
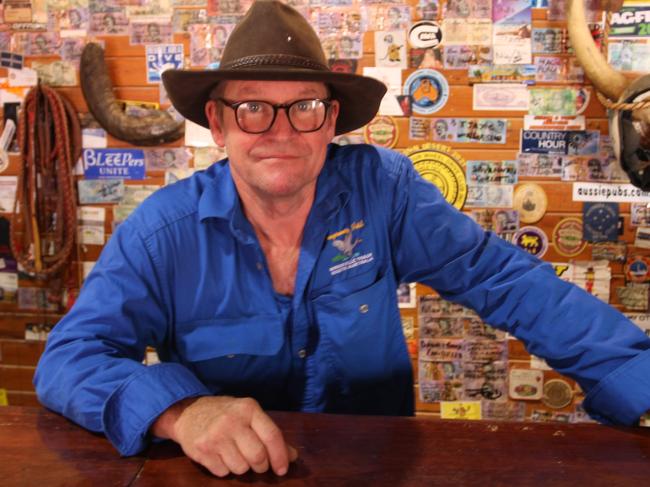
[56, 73]
[142, 33]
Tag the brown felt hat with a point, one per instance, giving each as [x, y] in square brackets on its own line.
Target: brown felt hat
[274, 42]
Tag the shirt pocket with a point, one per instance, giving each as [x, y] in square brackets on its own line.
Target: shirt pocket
[233, 354]
[361, 330]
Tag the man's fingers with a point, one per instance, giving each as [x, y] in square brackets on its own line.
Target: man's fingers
[232, 458]
[214, 464]
[253, 450]
[273, 440]
[292, 452]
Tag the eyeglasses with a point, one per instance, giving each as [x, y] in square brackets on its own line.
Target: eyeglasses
[256, 117]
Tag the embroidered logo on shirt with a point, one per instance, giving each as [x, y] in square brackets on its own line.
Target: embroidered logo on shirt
[347, 258]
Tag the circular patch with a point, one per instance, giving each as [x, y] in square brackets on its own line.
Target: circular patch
[428, 89]
[443, 167]
[557, 393]
[381, 131]
[567, 237]
[530, 201]
[532, 239]
[637, 268]
[425, 34]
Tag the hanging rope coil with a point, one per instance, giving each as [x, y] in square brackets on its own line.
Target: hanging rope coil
[44, 221]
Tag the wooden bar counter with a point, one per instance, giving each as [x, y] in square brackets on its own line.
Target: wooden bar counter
[40, 448]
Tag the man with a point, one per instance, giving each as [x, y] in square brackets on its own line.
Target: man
[269, 280]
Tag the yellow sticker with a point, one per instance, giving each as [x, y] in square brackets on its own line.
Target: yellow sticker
[460, 409]
[443, 167]
[4, 401]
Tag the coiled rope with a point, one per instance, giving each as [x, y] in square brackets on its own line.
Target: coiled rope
[44, 221]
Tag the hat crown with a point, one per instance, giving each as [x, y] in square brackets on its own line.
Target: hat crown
[273, 34]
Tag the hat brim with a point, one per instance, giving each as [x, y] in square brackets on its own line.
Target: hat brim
[359, 96]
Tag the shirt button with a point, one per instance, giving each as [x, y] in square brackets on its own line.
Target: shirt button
[364, 308]
[302, 353]
[259, 266]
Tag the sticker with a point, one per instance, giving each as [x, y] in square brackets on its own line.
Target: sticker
[390, 49]
[557, 393]
[539, 165]
[11, 60]
[500, 96]
[571, 142]
[567, 237]
[161, 57]
[428, 90]
[113, 163]
[443, 167]
[640, 215]
[491, 172]
[530, 201]
[600, 221]
[460, 410]
[533, 240]
[4, 400]
[381, 131]
[642, 239]
[612, 251]
[525, 384]
[502, 73]
[634, 296]
[425, 34]
[406, 295]
[637, 268]
[620, 193]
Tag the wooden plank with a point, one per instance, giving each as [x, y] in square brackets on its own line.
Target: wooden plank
[17, 377]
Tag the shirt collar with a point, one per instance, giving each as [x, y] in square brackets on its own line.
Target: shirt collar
[220, 199]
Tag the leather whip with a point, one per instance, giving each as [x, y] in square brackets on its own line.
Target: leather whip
[44, 221]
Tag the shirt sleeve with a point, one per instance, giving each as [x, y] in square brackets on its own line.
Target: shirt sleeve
[91, 370]
[579, 335]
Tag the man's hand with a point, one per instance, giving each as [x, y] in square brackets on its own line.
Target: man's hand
[226, 435]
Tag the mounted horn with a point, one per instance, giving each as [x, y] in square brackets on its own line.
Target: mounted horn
[156, 128]
[606, 79]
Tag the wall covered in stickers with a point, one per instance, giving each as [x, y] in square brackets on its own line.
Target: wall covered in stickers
[485, 98]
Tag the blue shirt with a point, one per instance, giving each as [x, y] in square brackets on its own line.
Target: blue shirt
[186, 274]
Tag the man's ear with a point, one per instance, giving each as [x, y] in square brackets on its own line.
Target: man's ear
[216, 125]
[333, 115]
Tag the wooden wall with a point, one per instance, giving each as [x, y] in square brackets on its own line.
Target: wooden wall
[127, 68]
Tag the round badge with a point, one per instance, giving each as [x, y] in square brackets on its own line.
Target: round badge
[530, 201]
[381, 131]
[428, 90]
[425, 34]
[567, 237]
[443, 167]
[637, 268]
[557, 393]
[532, 239]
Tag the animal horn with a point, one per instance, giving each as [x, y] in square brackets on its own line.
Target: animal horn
[605, 78]
[156, 128]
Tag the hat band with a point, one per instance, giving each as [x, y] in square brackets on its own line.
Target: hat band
[274, 60]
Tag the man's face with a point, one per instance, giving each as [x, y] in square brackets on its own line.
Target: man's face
[280, 162]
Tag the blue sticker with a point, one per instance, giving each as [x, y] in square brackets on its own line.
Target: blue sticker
[600, 222]
[428, 89]
[161, 57]
[567, 142]
[113, 163]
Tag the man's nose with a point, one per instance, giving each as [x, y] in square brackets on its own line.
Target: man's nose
[281, 125]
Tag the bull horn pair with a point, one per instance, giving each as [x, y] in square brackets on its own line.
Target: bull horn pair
[158, 127]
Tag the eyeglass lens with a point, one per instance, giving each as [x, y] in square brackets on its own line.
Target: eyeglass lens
[258, 116]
